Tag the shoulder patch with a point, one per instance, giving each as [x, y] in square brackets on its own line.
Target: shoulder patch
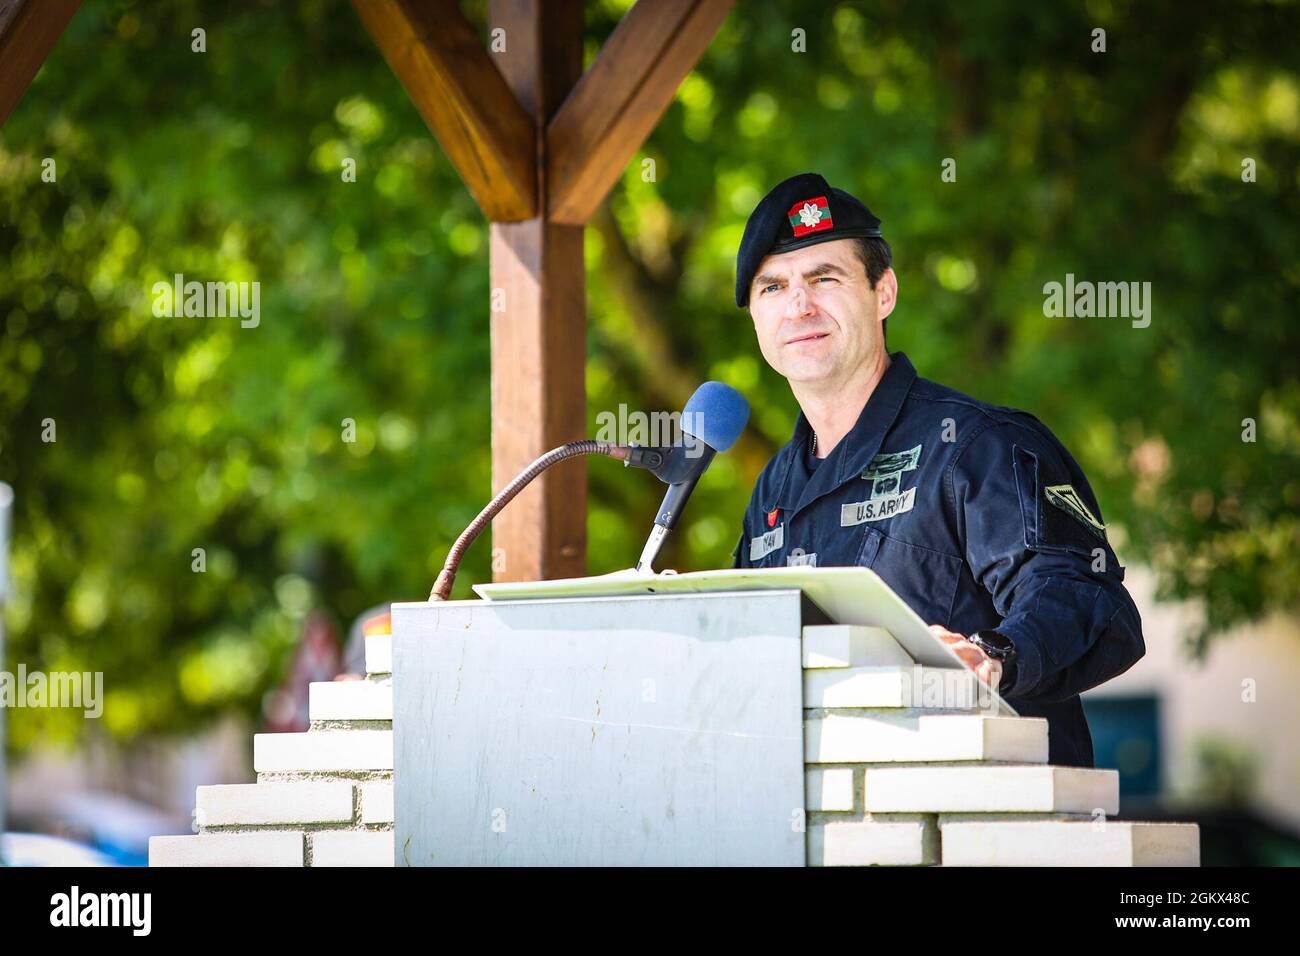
[1068, 500]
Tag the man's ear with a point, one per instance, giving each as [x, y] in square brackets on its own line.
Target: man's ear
[886, 294]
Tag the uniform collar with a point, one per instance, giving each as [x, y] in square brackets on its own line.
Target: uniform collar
[855, 451]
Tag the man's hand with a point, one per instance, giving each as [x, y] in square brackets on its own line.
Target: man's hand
[986, 668]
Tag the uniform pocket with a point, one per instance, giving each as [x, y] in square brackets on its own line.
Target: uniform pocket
[1057, 531]
[925, 579]
[870, 547]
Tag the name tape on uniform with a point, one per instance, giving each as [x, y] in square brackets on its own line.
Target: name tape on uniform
[876, 509]
[765, 544]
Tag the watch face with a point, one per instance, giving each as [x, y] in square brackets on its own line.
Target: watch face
[998, 640]
[999, 643]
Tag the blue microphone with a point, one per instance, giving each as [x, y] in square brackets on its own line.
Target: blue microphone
[711, 422]
[716, 414]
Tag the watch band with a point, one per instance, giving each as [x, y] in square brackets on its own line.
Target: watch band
[1009, 673]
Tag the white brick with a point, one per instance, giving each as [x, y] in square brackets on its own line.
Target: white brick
[911, 686]
[376, 802]
[982, 789]
[1010, 816]
[830, 789]
[351, 700]
[379, 653]
[324, 750]
[352, 848]
[1071, 844]
[911, 843]
[268, 848]
[843, 645]
[885, 736]
[262, 804]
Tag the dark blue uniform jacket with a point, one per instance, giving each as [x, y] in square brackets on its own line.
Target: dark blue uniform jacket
[979, 519]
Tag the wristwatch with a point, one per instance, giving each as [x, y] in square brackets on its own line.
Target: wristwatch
[995, 644]
[999, 647]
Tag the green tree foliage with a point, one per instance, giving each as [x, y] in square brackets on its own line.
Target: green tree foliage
[182, 433]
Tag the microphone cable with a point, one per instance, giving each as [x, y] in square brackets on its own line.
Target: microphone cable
[447, 576]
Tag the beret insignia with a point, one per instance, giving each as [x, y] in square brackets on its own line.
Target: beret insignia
[810, 215]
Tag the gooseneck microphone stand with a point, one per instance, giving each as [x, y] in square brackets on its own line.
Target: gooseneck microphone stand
[645, 457]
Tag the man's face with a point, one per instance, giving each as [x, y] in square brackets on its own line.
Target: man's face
[816, 316]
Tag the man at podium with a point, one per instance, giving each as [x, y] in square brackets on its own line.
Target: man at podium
[975, 514]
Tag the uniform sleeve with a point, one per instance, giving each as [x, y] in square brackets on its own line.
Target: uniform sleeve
[1034, 538]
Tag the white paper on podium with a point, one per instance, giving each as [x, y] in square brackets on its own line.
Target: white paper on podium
[848, 595]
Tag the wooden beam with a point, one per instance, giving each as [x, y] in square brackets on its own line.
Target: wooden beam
[28, 31]
[539, 339]
[458, 89]
[542, 60]
[620, 99]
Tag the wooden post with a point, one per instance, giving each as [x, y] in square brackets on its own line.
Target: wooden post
[28, 31]
[539, 336]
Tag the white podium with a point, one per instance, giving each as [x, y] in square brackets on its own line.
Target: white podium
[791, 716]
[645, 730]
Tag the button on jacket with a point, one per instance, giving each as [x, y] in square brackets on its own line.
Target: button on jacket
[979, 519]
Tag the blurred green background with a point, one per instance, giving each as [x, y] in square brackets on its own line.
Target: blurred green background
[183, 433]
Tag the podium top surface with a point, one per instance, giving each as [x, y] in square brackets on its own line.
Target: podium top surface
[848, 595]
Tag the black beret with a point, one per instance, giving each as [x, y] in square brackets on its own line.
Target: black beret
[802, 211]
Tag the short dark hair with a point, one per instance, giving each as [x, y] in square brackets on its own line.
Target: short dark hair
[875, 256]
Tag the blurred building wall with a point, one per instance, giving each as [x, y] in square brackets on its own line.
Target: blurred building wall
[1204, 700]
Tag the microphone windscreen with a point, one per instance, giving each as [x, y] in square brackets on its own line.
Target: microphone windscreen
[716, 414]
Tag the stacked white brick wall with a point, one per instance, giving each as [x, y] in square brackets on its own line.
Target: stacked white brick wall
[322, 798]
[887, 782]
[891, 783]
